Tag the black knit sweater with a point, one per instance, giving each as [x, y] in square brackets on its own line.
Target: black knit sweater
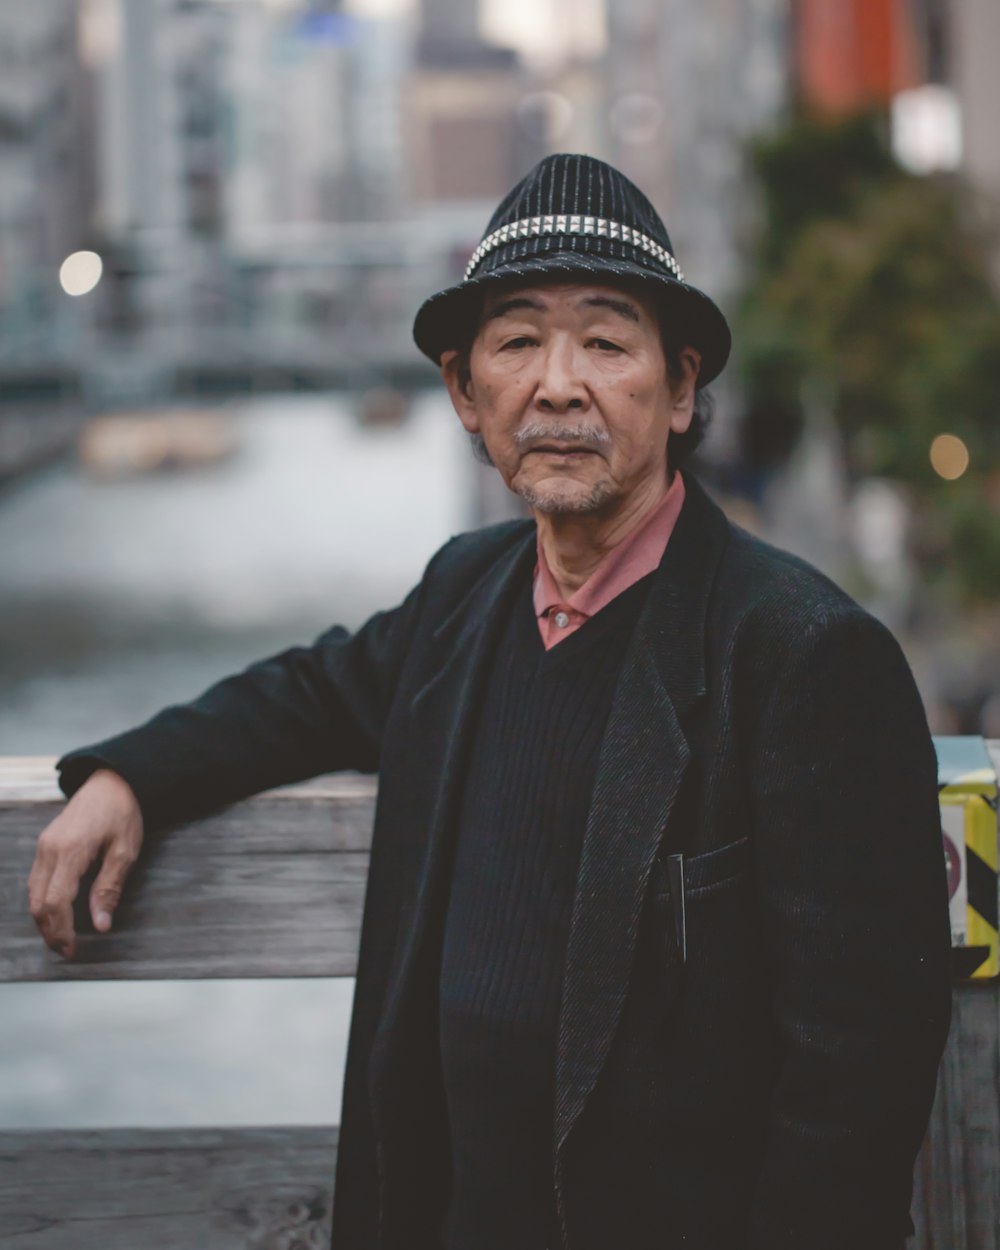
[527, 792]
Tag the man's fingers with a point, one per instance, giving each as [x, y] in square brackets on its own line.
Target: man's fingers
[39, 877]
[44, 903]
[57, 908]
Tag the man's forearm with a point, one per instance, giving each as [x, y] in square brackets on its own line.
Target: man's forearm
[305, 711]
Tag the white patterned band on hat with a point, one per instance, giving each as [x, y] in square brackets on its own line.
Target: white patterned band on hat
[596, 227]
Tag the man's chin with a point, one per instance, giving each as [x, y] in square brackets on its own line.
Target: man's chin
[556, 498]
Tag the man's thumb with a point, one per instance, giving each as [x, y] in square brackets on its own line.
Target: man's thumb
[104, 896]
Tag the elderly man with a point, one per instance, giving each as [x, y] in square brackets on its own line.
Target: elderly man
[655, 944]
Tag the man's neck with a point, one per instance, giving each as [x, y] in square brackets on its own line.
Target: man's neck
[574, 544]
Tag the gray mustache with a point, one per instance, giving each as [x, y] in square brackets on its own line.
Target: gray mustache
[586, 436]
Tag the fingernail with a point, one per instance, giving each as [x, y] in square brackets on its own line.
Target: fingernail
[103, 920]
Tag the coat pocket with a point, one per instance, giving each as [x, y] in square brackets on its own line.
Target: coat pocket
[714, 869]
[695, 876]
[697, 898]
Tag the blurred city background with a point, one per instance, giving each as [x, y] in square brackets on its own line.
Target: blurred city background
[217, 219]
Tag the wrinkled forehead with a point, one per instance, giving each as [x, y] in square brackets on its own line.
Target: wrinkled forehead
[626, 299]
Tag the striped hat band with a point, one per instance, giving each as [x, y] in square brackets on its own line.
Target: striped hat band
[598, 227]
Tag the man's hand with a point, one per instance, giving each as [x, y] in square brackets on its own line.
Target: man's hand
[103, 815]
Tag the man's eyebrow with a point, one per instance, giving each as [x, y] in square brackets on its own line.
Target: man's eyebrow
[620, 306]
[514, 304]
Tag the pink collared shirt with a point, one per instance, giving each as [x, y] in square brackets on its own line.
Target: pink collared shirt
[635, 556]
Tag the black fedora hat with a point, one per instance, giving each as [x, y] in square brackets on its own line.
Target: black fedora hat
[577, 216]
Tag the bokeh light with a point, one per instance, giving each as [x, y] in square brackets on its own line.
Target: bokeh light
[80, 272]
[949, 456]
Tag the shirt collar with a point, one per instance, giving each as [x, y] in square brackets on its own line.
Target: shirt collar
[638, 553]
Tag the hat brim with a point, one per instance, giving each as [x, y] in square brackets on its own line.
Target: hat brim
[442, 322]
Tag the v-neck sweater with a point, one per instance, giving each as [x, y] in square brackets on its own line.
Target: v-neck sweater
[526, 796]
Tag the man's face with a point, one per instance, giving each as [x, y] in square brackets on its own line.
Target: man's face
[570, 394]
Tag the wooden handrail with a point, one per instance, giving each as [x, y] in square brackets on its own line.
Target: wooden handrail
[270, 887]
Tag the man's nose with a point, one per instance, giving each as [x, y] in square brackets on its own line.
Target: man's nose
[561, 384]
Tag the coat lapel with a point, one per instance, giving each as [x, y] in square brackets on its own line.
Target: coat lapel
[643, 759]
[441, 711]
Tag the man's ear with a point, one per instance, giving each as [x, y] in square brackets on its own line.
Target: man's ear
[455, 372]
[683, 392]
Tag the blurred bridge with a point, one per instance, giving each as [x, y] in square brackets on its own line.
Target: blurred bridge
[300, 308]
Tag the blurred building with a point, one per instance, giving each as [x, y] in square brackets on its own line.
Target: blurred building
[973, 42]
[853, 53]
[161, 116]
[248, 152]
[686, 85]
[449, 32]
[461, 108]
[315, 128]
[46, 166]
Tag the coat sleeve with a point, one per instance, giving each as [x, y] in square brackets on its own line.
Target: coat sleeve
[305, 711]
[852, 899]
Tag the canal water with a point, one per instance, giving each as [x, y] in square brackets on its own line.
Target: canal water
[120, 595]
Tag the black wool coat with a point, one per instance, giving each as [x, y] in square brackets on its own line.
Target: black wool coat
[768, 1092]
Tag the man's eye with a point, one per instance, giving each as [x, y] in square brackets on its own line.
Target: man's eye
[606, 345]
[522, 340]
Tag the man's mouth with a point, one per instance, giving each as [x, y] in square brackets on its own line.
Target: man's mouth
[563, 449]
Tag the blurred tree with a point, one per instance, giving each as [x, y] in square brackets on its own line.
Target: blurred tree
[870, 286]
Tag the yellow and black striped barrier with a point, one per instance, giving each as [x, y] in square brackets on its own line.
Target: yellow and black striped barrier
[967, 788]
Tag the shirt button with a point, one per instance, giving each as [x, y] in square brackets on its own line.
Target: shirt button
[562, 620]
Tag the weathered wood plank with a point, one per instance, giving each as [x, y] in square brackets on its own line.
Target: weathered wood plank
[955, 1181]
[271, 887]
[975, 1029]
[182, 1189]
